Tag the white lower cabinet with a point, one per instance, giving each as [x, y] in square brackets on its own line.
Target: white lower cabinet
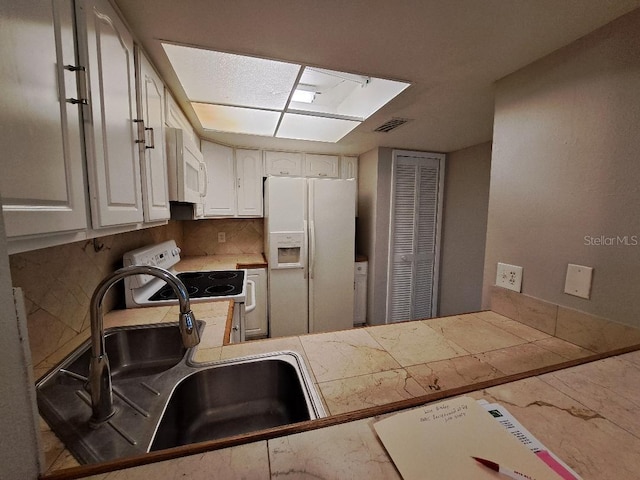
[256, 322]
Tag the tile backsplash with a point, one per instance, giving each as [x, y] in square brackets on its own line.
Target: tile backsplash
[200, 237]
[58, 282]
[593, 333]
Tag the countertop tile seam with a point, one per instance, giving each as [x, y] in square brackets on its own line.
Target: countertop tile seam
[350, 377]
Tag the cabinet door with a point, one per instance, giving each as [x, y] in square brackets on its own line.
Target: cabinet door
[110, 131]
[220, 200]
[174, 117]
[249, 187]
[256, 322]
[349, 168]
[321, 165]
[155, 185]
[283, 164]
[42, 181]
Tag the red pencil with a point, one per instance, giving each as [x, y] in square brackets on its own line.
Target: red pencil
[503, 470]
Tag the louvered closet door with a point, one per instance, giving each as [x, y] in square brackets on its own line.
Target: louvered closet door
[414, 224]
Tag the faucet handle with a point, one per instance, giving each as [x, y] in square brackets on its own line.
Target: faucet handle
[189, 329]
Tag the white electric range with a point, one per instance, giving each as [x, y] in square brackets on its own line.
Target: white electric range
[202, 286]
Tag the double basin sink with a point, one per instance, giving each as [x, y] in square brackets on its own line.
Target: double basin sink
[164, 400]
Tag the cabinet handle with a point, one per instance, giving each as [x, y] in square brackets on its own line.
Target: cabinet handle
[78, 101]
[75, 68]
[153, 139]
[283, 173]
[140, 122]
[238, 182]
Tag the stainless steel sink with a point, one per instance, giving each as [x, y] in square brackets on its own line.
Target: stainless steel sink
[162, 399]
[137, 351]
[237, 397]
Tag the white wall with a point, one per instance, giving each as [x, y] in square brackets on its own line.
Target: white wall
[19, 455]
[464, 229]
[566, 169]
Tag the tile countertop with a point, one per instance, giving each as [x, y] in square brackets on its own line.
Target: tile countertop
[586, 414]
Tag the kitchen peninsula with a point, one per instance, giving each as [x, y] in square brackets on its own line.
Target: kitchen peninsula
[585, 414]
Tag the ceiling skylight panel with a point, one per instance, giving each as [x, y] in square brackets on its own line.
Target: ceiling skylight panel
[236, 119]
[227, 79]
[308, 127]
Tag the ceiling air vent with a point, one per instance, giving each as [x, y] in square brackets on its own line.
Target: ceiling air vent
[391, 124]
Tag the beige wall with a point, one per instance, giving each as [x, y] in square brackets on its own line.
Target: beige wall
[566, 169]
[372, 233]
[464, 228]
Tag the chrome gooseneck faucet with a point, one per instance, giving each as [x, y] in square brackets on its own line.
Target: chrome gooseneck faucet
[99, 370]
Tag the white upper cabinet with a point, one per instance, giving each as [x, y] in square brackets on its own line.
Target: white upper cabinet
[175, 118]
[220, 200]
[155, 188]
[321, 166]
[110, 131]
[349, 168]
[249, 184]
[234, 181]
[42, 181]
[283, 164]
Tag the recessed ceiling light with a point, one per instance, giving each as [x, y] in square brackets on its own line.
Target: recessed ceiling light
[242, 94]
[304, 96]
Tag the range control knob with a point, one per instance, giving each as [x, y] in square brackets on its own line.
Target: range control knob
[176, 251]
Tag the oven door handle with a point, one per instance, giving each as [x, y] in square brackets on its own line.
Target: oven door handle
[251, 286]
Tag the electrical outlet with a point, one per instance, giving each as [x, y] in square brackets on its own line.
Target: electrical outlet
[509, 276]
[222, 237]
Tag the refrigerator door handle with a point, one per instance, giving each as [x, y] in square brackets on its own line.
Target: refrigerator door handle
[305, 248]
[312, 259]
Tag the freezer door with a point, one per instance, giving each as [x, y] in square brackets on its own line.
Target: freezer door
[331, 254]
[287, 303]
[285, 216]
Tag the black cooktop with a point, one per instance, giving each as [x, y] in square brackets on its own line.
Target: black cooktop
[216, 283]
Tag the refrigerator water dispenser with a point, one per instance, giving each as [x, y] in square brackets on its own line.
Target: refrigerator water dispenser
[287, 250]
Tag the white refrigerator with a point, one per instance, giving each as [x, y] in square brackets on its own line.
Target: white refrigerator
[310, 247]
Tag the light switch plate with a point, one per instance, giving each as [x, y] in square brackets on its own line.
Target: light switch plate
[509, 276]
[578, 281]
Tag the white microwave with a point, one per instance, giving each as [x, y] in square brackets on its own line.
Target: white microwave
[187, 170]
